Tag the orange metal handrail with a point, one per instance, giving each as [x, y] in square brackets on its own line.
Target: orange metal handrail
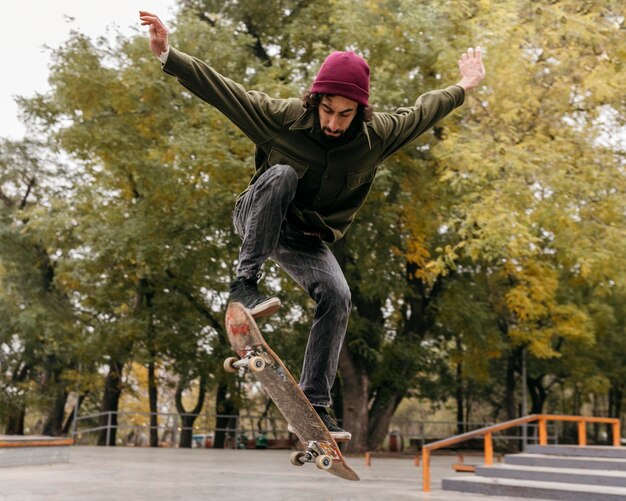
[487, 433]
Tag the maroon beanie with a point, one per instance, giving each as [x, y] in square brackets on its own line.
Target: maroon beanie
[344, 74]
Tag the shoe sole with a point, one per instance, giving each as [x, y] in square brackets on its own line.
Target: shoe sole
[343, 436]
[266, 308]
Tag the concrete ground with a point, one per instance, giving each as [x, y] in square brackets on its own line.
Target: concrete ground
[129, 474]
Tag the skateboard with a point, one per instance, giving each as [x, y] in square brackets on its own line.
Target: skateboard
[255, 356]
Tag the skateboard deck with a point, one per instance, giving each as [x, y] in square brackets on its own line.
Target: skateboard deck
[254, 353]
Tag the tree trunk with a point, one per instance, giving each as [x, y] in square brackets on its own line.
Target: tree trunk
[616, 397]
[460, 398]
[53, 425]
[110, 404]
[394, 385]
[576, 401]
[355, 401]
[16, 411]
[468, 408]
[370, 428]
[511, 384]
[146, 295]
[383, 409]
[153, 403]
[223, 403]
[188, 418]
[259, 424]
[67, 427]
[538, 393]
[15, 420]
[226, 415]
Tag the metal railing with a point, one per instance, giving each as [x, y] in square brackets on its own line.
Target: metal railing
[413, 434]
[420, 432]
[170, 424]
[487, 434]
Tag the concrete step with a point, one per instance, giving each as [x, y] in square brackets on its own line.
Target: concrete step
[584, 463]
[18, 450]
[545, 474]
[533, 489]
[574, 450]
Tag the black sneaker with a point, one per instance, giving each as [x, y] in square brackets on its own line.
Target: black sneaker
[335, 431]
[244, 291]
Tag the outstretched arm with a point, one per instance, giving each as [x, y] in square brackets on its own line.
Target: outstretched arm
[158, 32]
[401, 127]
[257, 115]
[472, 69]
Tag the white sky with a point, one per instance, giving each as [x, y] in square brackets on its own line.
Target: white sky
[29, 25]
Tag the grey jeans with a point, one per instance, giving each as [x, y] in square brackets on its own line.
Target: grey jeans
[259, 219]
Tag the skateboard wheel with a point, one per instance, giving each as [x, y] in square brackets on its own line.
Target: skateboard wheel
[229, 364]
[323, 462]
[296, 458]
[256, 364]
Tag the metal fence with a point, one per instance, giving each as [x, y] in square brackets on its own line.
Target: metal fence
[133, 428]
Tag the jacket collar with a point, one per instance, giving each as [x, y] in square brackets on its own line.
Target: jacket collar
[306, 121]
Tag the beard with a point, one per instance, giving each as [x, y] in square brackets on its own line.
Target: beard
[330, 140]
[333, 134]
[344, 135]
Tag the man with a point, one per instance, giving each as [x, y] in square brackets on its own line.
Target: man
[315, 163]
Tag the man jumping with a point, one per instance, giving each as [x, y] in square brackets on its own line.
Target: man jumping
[316, 158]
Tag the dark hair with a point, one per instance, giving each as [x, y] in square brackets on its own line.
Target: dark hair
[311, 101]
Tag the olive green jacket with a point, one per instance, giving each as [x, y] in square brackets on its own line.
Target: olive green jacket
[282, 131]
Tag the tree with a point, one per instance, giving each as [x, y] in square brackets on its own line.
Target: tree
[499, 231]
[40, 325]
[507, 199]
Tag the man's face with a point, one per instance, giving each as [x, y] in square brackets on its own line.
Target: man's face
[336, 114]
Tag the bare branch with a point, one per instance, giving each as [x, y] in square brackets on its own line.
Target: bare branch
[31, 182]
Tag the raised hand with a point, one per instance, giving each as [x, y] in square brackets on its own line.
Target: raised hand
[472, 68]
[158, 32]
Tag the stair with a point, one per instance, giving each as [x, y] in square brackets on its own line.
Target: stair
[553, 472]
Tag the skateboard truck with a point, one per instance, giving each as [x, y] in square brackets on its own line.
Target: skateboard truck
[250, 362]
[313, 454]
